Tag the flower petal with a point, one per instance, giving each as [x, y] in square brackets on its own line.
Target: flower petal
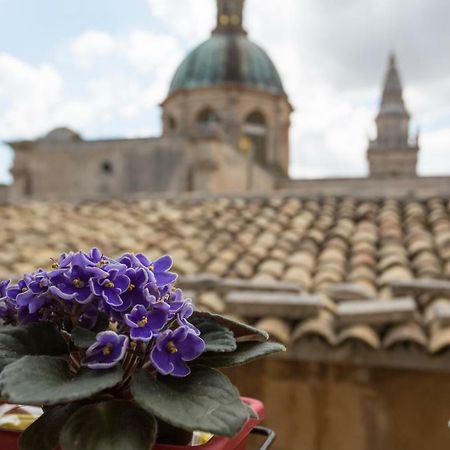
[161, 361]
[162, 264]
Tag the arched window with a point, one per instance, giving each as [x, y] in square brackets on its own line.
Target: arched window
[107, 167]
[255, 130]
[171, 123]
[207, 117]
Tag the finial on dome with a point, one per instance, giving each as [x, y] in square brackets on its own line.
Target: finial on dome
[230, 16]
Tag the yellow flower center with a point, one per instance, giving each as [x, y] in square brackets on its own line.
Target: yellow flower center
[55, 265]
[171, 347]
[131, 287]
[109, 284]
[107, 349]
[151, 267]
[24, 289]
[78, 283]
[143, 322]
[42, 285]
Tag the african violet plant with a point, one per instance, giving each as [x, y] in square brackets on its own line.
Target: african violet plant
[117, 357]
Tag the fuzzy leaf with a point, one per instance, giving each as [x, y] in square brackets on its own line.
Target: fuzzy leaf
[245, 353]
[111, 425]
[82, 337]
[36, 339]
[241, 331]
[46, 380]
[217, 337]
[205, 401]
[43, 434]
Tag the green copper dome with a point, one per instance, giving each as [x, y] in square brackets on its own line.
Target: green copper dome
[227, 58]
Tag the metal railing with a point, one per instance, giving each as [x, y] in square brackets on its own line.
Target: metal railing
[268, 433]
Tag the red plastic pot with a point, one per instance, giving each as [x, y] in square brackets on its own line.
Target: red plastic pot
[8, 439]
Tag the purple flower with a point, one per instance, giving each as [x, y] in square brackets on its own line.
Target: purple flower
[12, 292]
[109, 349]
[173, 349]
[43, 314]
[137, 292]
[111, 285]
[3, 287]
[179, 305]
[7, 310]
[31, 291]
[144, 324]
[88, 319]
[63, 262]
[160, 269]
[73, 284]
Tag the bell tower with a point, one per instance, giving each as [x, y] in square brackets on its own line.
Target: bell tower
[393, 153]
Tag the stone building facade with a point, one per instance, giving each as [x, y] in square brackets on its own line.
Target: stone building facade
[392, 154]
[225, 128]
[226, 122]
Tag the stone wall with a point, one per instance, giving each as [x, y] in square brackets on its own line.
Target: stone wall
[81, 170]
[4, 193]
[419, 187]
[324, 407]
[76, 170]
[392, 162]
[233, 105]
[218, 168]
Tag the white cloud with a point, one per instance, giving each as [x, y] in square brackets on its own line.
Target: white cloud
[189, 20]
[143, 50]
[434, 158]
[91, 45]
[29, 93]
[152, 53]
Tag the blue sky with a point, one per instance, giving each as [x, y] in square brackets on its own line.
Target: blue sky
[101, 67]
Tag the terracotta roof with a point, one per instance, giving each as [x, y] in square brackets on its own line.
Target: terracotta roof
[321, 275]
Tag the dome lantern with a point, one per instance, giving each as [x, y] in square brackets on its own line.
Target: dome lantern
[230, 16]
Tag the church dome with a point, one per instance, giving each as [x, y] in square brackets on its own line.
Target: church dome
[227, 58]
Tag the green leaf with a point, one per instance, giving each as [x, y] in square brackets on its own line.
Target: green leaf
[46, 380]
[204, 401]
[241, 331]
[82, 337]
[111, 425]
[43, 434]
[217, 337]
[245, 353]
[36, 339]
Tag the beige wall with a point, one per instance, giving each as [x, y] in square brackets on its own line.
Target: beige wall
[392, 163]
[420, 187]
[220, 168]
[73, 169]
[233, 105]
[4, 193]
[324, 407]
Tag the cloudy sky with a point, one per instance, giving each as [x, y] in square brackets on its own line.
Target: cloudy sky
[101, 67]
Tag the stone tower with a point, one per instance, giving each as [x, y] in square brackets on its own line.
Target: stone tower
[393, 153]
[230, 87]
